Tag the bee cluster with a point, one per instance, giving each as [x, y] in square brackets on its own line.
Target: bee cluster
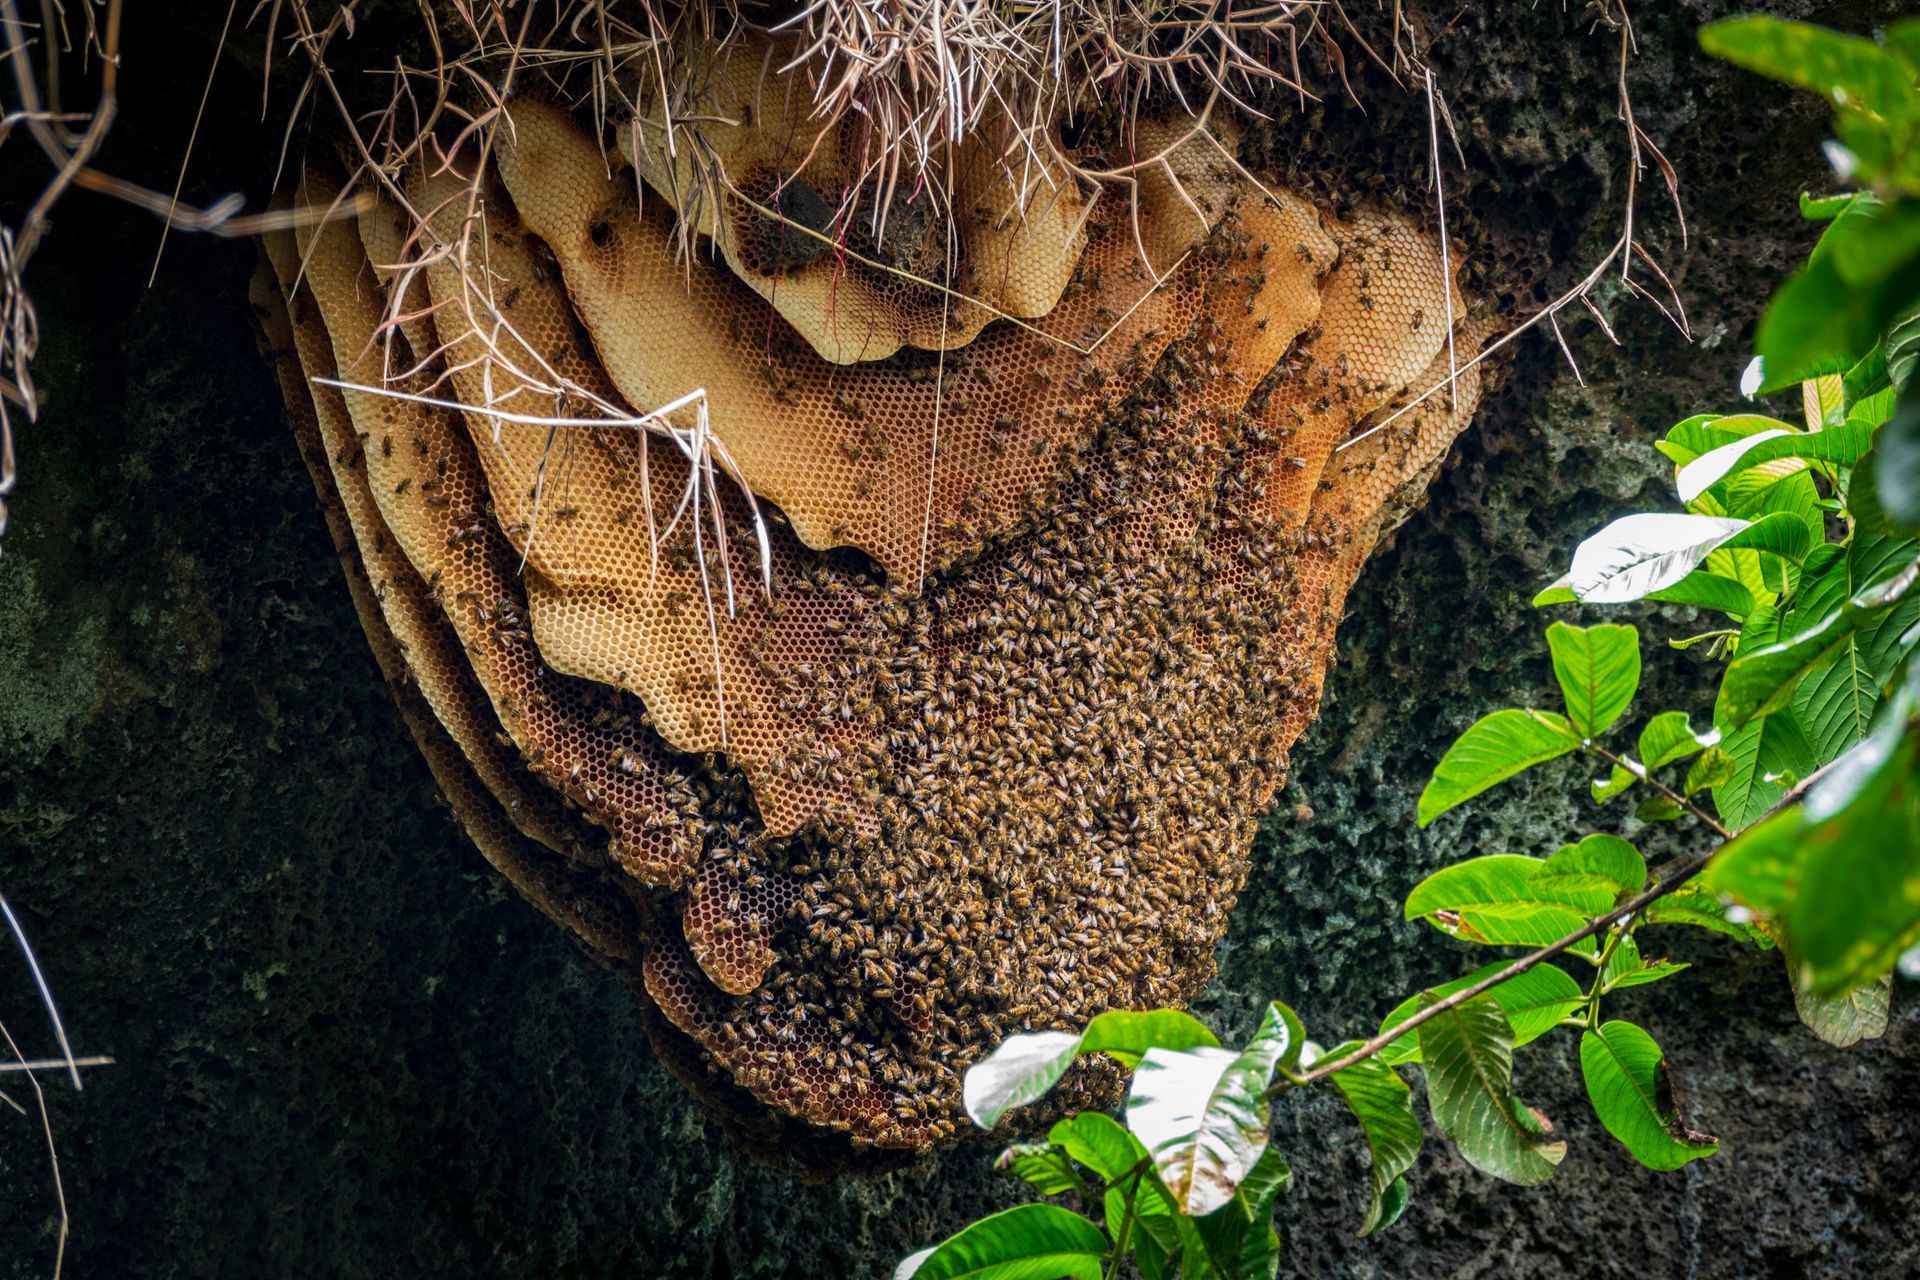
[1046, 603]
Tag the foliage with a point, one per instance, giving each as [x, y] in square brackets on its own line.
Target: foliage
[1805, 539]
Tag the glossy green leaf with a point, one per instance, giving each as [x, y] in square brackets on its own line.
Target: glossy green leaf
[1493, 900]
[1238, 1237]
[1670, 736]
[1851, 72]
[1707, 470]
[1842, 445]
[1766, 754]
[1026, 1066]
[1599, 867]
[1098, 1141]
[1598, 669]
[1202, 1113]
[1021, 1070]
[1714, 768]
[1468, 1054]
[1127, 1035]
[1042, 1166]
[1704, 432]
[1026, 1242]
[1694, 906]
[1493, 749]
[1382, 1103]
[1706, 590]
[1626, 1077]
[1534, 1003]
[1896, 469]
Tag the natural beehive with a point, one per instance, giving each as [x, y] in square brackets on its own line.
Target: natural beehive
[920, 680]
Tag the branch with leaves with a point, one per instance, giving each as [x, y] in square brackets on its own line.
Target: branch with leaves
[1805, 790]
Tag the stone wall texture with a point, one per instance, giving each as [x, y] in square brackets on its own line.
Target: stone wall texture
[343, 1048]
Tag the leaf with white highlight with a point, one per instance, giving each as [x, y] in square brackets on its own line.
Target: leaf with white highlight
[1202, 1113]
[1020, 1071]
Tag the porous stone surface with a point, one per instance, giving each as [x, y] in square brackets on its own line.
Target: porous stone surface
[343, 1048]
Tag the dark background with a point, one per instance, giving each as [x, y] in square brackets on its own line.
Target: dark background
[344, 1049]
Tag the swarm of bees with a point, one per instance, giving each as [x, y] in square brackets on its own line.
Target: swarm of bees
[925, 680]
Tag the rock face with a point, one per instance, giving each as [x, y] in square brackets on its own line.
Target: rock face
[344, 1048]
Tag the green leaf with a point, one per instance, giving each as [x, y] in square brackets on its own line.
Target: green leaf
[1858, 904]
[1896, 466]
[1599, 868]
[1627, 1080]
[1692, 905]
[1713, 769]
[1701, 589]
[1468, 1052]
[1669, 737]
[1202, 1113]
[1625, 967]
[1127, 1035]
[1839, 873]
[1097, 1141]
[1493, 749]
[1494, 901]
[1707, 590]
[1026, 1242]
[1534, 1003]
[1021, 1070]
[1382, 1103]
[1598, 669]
[1041, 1166]
[1864, 505]
[1765, 754]
[1836, 704]
[1639, 554]
[1820, 321]
[1760, 682]
[1652, 551]
[1822, 208]
[1649, 972]
[1026, 1066]
[1851, 72]
[1658, 809]
[1842, 445]
[1239, 1238]
[1847, 1017]
[1704, 432]
[1619, 778]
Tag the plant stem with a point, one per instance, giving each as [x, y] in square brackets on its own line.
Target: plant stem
[1646, 775]
[1687, 870]
[1124, 1237]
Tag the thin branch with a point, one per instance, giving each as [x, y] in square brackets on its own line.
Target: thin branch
[1688, 869]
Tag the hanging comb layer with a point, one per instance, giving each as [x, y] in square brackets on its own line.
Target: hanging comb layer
[926, 698]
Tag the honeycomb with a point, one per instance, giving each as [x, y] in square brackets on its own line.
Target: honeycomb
[922, 678]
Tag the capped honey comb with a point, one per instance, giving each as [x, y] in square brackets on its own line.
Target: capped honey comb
[921, 676]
